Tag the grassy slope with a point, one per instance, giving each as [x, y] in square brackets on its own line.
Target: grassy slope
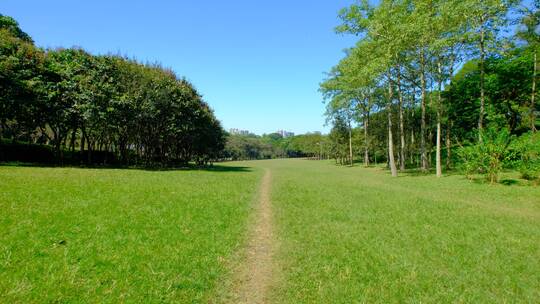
[84, 235]
[352, 235]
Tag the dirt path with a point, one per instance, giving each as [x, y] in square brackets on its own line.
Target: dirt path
[255, 277]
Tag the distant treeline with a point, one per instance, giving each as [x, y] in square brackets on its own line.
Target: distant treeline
[243, 147]
[92, 109]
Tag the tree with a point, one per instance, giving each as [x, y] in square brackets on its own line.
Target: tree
[485, 18]
[111, 108]
[528, 33]
[12, 26]
[21, 65]
[384, 29]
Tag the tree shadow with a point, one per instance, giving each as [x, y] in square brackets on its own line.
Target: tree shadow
[221, 168]
[189, 167]
[509, 182]
[416, 172]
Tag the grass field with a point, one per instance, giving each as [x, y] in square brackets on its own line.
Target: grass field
[344, 235]
[355, 235]
[109, 236]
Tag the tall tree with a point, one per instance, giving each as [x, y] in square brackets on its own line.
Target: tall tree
[485, 19]
[528, 32]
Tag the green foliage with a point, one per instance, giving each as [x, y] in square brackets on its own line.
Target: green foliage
[527, 149]
[244, 147]
[508, 89]
[410, 51]
[72, 100]
[12, 26]
[339, 139]
[489, 156]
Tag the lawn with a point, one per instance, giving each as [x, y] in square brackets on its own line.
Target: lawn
[356, 235]
[110, 236]
[343, 235]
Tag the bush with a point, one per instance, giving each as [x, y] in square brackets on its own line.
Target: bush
[527, 150]
[489, 156]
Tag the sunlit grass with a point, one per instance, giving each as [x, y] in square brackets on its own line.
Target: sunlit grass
[355, 235]
[101, 235]
[345, 235]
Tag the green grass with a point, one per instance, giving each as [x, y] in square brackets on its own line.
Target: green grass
[108, 236]
[346, 235]
[356, 235]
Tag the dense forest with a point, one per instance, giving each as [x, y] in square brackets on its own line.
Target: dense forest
[68, 106]
[438, 84]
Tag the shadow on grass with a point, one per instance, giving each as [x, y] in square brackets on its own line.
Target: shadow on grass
[415, 172]
[191, 167]
[509, 182]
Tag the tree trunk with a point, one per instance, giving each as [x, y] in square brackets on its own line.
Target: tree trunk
[72, 143]
[482, 93]
[430, 147]
[533, 102]
[90, 148]
[401, 124]
[448, 145]
[412, 141]
[411, 155]
[366, 141]
[350, 145]
[423, 117]
[83, 142]
[439, 106]
[438, 149]
[391, 160]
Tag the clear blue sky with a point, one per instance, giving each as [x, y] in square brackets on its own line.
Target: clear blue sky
[257, 63]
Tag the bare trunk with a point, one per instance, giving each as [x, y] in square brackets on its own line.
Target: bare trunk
[439, 106]
[423, 117]
[482, 93]
[81, 148]
[72, 141]
[366, 141]
[391, 161]
[350, 145]
[438, 149]
[430, 147]
[401, 127]
[448, 146]
[533, 102]
[411, 155]
[412, 142]
[90, 148]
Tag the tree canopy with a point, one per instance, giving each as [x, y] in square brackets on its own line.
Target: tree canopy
[440, 72]
[101, 108]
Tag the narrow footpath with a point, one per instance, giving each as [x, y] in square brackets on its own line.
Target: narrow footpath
[255, 277]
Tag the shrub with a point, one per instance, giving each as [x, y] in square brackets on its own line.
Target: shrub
[527, 149]
[488, 156]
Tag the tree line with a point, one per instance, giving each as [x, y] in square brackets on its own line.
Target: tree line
[438, 75]
[94, 109]
[274, 145]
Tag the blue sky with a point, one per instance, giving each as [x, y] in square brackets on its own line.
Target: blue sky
[257, 63]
